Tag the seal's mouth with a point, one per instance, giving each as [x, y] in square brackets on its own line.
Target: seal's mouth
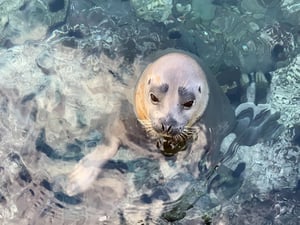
[182, 136]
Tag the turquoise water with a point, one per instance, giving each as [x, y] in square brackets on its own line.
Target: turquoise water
[65, 69]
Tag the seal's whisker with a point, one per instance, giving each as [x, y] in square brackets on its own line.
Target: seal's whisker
[184, 134]
[149, 129]
[177, 137]
[189, 130]
[182, 137]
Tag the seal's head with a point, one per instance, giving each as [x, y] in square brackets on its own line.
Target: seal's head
[171, 95]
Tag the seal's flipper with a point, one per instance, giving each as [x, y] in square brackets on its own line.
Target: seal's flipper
[88, 168]
[255, 123]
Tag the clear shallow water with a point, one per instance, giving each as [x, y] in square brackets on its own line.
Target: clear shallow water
[56, 95]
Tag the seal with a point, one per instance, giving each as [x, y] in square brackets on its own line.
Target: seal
[178, 107]
[171, 95]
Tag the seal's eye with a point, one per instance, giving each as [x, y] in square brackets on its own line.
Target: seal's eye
[154, 99]
[188, 104]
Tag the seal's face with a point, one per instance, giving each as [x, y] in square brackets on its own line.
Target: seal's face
[171, 95]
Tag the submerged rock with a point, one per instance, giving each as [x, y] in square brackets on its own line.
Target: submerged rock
[290, 11]
[285, 92]
[204, 9]
[158, 10]
[22, 21]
